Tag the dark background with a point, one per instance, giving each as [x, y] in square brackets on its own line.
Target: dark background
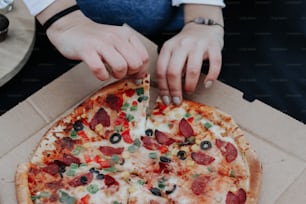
[264, 56]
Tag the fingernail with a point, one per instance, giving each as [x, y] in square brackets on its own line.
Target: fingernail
[166, 100]
[138, 81]
[208, 84]
[176, 100]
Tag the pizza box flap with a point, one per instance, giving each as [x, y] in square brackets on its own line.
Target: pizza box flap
[277, 139]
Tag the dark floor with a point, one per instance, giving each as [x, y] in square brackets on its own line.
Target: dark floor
[264, 56]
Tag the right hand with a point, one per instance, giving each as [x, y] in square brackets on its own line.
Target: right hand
[79, 38]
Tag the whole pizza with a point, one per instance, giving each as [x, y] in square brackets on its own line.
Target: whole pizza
[110, 150]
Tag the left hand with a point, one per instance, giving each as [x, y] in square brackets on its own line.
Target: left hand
[183, 55]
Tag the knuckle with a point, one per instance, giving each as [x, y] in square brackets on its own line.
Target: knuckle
[193, 73]
[136, 65]
[160, 75]
[172, 73]
[121, 68]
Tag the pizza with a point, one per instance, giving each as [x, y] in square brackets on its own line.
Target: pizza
[110, 150]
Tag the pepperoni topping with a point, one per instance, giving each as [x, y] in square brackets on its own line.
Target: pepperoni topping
[163, 167]
[54, 185]
[198, 185]
[54, 197]
[83, 179]
[52, 169]
[185, 128]
[110, 181]
[150, 143]
[236, 198]
[114, 102]
[227, 149]
[109, 151]
[163, 138]
[202, 158]
[101, 117]
[67, 143]
[69, 159]
[130, 92]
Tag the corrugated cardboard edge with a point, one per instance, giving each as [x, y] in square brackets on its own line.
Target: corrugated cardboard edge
[266, 129]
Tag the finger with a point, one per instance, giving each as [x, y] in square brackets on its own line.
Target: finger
[132, 58]
[161, 74]
[142, 52]
[142, 72]
[174, 75]
[193, 69]
[95, 64]
[116, 62]
[139, 47]
[215, 62]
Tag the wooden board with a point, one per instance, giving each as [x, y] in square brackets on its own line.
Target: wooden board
[16, 49]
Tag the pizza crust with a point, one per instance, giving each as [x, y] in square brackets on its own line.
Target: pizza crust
[226, 121]
[255, 168]
[213, 114]
[255, 176]
[21, 181]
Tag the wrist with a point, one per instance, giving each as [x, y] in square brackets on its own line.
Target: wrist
[54, 8]
[59, 16]
[192, 12]
[205, 21]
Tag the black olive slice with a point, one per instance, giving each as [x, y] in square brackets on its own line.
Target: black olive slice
[83, 180]
[93, 170]
[149, 132]
[140, 99]
[172, 190]
[78, 125]
[62, 169]
[100, 176]
[122, 161]
[165, 159]
[155, 191]
[205, 145]
[115, 138]
[182, 155]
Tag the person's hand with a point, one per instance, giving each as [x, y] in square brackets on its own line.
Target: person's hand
[183, 55]
[103, 48]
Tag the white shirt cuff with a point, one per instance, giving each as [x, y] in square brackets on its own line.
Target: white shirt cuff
[207, 2]
[36, 6]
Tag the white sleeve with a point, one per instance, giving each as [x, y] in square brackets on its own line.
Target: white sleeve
[208, 2]
[36, 6]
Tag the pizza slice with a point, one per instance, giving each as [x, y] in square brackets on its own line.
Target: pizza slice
[81, 184]
[116, 113]
[205, 144]
[119, 108]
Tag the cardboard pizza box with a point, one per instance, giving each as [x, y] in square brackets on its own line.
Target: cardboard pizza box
[278, 140]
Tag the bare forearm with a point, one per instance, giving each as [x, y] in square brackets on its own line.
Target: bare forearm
[192, 11]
